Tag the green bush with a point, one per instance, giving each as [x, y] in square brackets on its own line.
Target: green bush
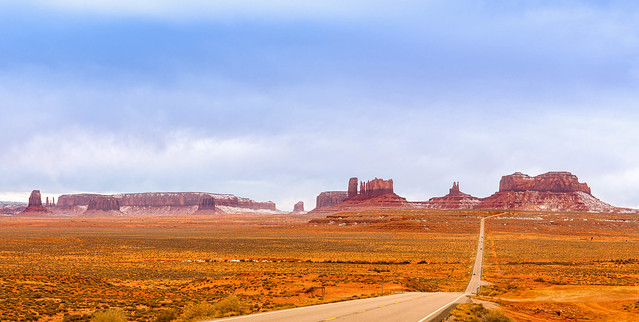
[111, 315]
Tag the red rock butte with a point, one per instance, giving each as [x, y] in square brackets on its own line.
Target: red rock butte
[35, 207]
[376, 193]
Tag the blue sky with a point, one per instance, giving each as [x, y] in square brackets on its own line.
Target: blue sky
[280, 100]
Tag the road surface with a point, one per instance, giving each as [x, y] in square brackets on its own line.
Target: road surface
[399, 307]
[414, 306]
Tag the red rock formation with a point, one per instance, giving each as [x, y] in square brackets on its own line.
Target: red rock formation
[104, 203]
[206, 206]
[547, 182]
[455, 199]
[352, 187]
[35, 207]
[154, 203]
[377, 193]
[330, 198]
[299, 208]
[370, 188]
[552, 191]
[103, 206]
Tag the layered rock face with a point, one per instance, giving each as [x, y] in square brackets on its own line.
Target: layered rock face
[547, 182]
[552, 191]
[167, 203]
[207, 207]
[373, 188]
[103, 206]
[376, 193]
[104, 203]
[330, 198]
[35, 207]
[455, 199]
[298, 208]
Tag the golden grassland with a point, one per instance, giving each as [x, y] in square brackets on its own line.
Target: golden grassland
[564, 266]
[68, 268]
[542, 266]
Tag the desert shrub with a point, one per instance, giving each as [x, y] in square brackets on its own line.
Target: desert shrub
[166, 316]
[495, 316]
[472, 312]
[227, 306]
[198, 311]
[111, 315]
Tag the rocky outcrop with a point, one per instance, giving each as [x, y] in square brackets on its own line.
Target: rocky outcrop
[168, 203]
[455, 199]
[330, 198]
[552, 191]
[298, 208]
[207, 207]
[372, 188]
[103, 206]
[373, 194]
[35, 207]
[547, 182]
[352, 187]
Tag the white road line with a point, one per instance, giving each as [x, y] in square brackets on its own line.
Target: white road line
[441, 308]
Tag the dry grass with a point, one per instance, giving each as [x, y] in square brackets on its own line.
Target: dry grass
[564, 266]
[159, 269]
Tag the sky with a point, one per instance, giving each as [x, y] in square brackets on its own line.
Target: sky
[281, 100]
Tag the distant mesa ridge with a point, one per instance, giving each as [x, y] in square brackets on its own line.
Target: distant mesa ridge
[552, 191]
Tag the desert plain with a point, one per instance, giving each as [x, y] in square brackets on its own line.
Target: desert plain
[540, 265]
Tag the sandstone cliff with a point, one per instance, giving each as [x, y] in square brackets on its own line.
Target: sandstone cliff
[547, 182]
[330, 198]
[455, 199]
[100, 206]
[166, 203]
[35, 207]
[376, 193]
[298, 208]
[552, 191]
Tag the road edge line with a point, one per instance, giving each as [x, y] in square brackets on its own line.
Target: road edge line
[441, 308]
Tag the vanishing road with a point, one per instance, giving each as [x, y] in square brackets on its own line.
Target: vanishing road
[414, 306]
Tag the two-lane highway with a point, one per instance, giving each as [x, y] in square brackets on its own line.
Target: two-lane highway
[412, 306]
[399, 307]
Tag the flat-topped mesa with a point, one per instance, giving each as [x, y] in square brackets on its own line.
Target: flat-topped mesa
[166, 203]
[369, 189]
[330, 198]
[547, 182]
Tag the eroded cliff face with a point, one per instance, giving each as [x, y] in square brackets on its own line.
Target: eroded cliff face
[35, 207]
[376, 193]
[298, 208]
[552, 191]
[455, 199]
[330, 198]
[166, 203]
[103, 206]
[547, 182]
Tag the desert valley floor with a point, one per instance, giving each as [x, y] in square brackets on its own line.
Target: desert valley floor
[541, 266]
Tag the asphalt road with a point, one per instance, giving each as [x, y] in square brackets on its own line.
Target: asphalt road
[399, 307]
[475, 280]
[412, 306]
